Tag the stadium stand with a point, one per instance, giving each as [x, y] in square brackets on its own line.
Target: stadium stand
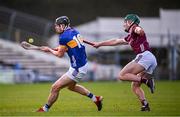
[16, 26]
[15, 57]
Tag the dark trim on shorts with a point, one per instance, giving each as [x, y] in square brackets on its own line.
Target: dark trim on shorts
[75, 72]
[138, 59]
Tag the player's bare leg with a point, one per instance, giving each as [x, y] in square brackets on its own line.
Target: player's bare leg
[130, 71]
[148, 80]
[78, 88]
[66, 81]
[135, 72]
[83, 91]
[56, 87]
[140, 94]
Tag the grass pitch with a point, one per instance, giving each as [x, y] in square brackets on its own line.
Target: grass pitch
[24, 99]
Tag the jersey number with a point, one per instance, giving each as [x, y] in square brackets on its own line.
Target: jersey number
[79, 40]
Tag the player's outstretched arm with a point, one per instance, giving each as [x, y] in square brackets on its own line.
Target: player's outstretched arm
[110, 42]
[59, 52]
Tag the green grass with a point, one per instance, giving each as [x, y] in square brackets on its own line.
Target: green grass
[24, 99]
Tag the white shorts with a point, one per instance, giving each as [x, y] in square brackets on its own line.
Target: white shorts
[147, 60]
[77, 75]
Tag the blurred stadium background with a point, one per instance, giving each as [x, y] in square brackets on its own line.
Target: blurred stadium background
[96, 20]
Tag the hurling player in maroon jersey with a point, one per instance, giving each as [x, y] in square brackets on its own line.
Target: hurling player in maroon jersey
[140, 69]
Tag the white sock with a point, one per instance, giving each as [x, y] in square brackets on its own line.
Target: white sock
[45, 108]
[94, 98]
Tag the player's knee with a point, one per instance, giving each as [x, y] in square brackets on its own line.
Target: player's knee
[134, 86]
[122, 76]
[71, 88]
[55, 88]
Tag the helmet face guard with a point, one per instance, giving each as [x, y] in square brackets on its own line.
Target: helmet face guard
[132, 17]
[62, 20]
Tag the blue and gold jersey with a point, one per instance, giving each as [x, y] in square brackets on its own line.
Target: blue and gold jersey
[76, 49]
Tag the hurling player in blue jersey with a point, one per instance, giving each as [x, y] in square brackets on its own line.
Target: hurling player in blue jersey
[70, 41]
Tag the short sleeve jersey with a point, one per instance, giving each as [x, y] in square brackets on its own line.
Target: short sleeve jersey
[75, 47]
[137, 42]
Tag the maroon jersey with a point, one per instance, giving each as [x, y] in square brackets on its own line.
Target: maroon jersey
[137, 42]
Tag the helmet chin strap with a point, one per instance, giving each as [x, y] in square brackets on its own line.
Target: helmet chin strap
[66, 26]
[127, 30]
